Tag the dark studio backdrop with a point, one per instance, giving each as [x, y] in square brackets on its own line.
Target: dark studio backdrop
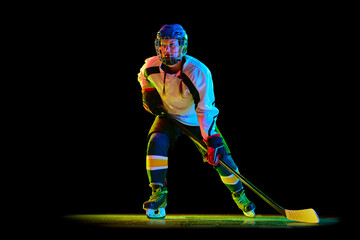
[273, 87]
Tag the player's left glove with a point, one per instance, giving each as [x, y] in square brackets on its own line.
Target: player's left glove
[216, 149]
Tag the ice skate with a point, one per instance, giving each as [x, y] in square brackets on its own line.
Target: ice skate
[243, 203]
[155, 206]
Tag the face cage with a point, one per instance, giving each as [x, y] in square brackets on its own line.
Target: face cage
[173, 59]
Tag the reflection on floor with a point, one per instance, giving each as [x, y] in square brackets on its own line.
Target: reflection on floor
[192, 221]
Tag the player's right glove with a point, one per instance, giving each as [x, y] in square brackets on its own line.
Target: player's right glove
[216, 149]
[152, 101]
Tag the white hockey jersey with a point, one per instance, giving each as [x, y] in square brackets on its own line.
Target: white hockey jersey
[188, 98]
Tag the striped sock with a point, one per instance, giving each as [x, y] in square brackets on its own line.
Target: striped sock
[231, 181]
[156, 167]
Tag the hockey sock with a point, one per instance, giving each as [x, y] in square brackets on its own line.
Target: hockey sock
[156, 159]
[230, 181]
[156, 167]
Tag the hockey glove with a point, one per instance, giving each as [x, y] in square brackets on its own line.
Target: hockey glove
[216, 149]
[152, 101]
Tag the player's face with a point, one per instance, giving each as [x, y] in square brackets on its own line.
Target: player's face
[170, 48]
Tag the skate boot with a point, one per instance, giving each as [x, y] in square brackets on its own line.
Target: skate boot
[243, 203]
[155, 206]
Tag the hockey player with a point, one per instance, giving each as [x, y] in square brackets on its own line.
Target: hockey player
[182, 86]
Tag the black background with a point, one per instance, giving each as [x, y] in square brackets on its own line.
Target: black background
[275, 87]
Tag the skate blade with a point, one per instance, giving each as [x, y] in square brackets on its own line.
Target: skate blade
[250, 214]
[156, 213]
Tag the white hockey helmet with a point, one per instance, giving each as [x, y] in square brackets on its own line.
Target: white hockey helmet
[171, 55]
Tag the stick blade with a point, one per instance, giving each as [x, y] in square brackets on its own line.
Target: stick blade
[305, 215]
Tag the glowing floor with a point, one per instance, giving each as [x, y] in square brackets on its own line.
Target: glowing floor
[192, 221]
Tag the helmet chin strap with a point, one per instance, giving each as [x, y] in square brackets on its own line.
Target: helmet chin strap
[171, 65]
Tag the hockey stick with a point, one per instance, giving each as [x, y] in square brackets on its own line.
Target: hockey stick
[304, 215]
